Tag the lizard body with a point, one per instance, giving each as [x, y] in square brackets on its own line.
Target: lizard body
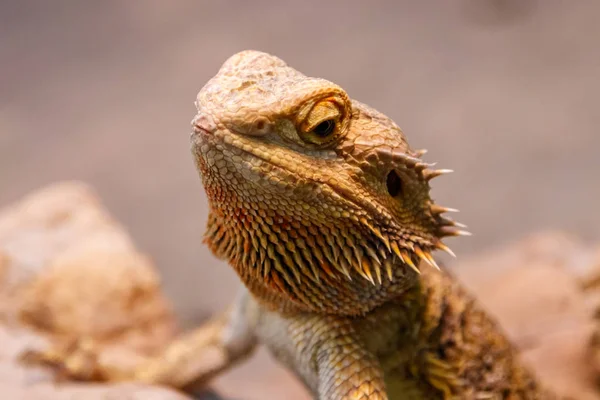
[324, 212]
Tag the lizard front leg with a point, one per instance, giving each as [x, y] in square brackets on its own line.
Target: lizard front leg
[327, 353]
[346, 369]
[186, 363]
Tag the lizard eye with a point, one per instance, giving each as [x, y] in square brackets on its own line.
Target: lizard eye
[325, 128]
[322, 123]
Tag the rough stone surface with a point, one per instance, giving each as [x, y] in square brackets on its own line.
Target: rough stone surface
[68, 270]
[534, 288]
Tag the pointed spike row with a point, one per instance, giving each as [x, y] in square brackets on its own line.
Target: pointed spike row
[436, 209]
[386, 242]
[377, 232]
[325, 267]
[420, 153]
[423, 166]
[405, 158]
[372, 254]
[422, 255]
[308, 257]
[407, 260]
[432, 261]
[378, 273]
[263, 239]
[336, 253]
[388, 268]
[444, 221]
[266, 267]
[398, 155]
[429, 174]
[396, 249]
[278, 282]
[296, 273]
[347, 253]
[282, 272]
[343, 268]
[420, 166]
[318, 254]
[263, 255]
[328, 254]
[300, 263]
[335, 250]
[383, 252]
[338, 267]
[443, 247]
[358, 254]
[367, 270]
[253, 258]
[449, 231]
[358, 268]
[293, 267]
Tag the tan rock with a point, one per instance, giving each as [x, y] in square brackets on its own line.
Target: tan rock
[66, 298]
[533, 288]
[68, 270]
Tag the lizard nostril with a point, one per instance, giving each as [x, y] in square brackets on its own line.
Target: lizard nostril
[394, 184]
[203, 123]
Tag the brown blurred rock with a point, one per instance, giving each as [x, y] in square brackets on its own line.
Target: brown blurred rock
[67, 270]
[534, 289]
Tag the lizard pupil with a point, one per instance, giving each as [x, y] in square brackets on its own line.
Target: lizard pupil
[325, 128]
[394, 184]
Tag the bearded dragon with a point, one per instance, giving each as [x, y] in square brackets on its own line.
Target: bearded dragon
[324, 212]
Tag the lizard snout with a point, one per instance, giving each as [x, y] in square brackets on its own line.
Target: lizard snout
[203, 124]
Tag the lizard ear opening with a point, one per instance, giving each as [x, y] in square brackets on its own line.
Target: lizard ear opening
[394, 184]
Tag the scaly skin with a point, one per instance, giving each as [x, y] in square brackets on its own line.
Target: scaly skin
[323, 226]
[324, 212]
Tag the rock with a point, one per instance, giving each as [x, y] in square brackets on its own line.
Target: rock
[68, 270]
[533, 287]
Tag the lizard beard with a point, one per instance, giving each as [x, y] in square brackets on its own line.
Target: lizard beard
[333, 266]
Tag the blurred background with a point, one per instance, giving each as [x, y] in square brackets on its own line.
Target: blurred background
[505, 92]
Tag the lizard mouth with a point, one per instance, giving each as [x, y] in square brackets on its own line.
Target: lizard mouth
[203, 124]
[200, 131]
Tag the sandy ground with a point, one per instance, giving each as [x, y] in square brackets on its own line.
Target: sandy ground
[504, 92]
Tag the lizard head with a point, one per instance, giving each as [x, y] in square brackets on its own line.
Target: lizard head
[310, 191]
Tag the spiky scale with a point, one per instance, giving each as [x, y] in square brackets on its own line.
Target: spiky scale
[377, 268]
[388, 268]
[305, 269]
[441, 246]
[309, 257]
[429, 174]
[376, 231]
[422, 255]
[450, 231]
[366, 268]
[437, 209]
[432, 261]
[408, 261]
[396, 249]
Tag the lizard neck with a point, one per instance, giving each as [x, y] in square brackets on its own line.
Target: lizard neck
[293, 266]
